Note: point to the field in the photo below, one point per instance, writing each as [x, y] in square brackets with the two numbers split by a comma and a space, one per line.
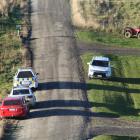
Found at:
[118, 96]
[107, 39]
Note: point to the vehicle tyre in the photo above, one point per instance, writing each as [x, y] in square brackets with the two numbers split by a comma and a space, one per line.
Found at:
[34, 89]
[138, 36]
[127, 34]
[27, 115]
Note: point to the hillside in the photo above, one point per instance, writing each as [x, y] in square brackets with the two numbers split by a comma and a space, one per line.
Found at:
[109, 15]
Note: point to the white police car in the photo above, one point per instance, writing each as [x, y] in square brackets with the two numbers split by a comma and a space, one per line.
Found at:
[99, 66]
[26, 77]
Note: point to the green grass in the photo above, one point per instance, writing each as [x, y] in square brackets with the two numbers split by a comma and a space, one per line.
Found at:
[11, 58]
[107, 39]
[102, 137]
[10, 50]
[119, 96]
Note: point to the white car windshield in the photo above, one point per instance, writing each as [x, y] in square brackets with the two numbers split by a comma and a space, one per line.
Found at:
[21, 91]
[100, 63]
[12, 102]
[25, 74]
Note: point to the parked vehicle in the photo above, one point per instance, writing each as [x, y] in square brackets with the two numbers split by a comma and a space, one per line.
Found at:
[14, 107]
[99, 67]
[26, 77]
[132, 32]
[26, 92]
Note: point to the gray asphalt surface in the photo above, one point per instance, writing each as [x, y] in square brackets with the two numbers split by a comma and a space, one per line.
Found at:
[62, 109]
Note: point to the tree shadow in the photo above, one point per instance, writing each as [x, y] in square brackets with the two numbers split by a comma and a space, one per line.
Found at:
[74, 108]
[112, 88]
[121, 109]
[63, 103]
[125, 80]
[56, 107]
[32, 39]
[89, 86]
[62, 85]
[69, 112]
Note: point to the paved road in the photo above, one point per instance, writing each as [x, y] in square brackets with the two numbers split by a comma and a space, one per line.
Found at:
[62, 110]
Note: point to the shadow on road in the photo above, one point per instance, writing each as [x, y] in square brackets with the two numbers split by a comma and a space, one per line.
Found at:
[66, 108]
[58, 107]
[68, 112]
[62, 85]
[63, 103]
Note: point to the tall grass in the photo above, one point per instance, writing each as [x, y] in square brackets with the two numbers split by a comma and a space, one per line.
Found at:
[109, 15]
[103, 137]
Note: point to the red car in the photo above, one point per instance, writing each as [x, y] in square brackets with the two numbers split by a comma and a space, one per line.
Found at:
[14, 107]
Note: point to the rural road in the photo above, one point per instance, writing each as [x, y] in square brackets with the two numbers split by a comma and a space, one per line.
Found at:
[62, 111]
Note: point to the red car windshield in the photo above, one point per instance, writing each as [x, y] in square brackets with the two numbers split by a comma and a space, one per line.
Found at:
[12, 102]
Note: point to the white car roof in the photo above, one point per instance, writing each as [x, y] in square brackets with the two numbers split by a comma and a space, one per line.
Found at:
[101, 58]
[20, 87]
[25, 69]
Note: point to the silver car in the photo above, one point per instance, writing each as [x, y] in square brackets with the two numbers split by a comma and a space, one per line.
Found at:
[99, 66]
[26, 92]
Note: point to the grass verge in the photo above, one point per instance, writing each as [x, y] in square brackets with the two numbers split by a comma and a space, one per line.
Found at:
[10, 49]
[107, 39]
[118, 96]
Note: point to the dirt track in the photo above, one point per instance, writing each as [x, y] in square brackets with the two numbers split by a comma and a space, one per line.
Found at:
[98, 48]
